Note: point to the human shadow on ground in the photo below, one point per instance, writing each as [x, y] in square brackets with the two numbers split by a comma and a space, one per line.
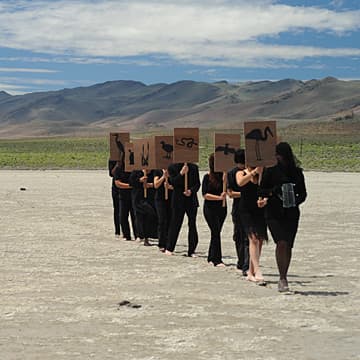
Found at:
[321, 293]
[304, 276]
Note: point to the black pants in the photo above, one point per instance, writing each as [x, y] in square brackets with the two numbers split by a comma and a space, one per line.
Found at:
[163, 209]
[215, 217]
[116, 205]
[126, 209]
[241, 244]
[177, 218]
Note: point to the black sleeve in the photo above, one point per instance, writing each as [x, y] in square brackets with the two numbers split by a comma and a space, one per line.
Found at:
[175, 178]
[300, 189]
[111, 165]
[195, 180]
[134, 179]
[205, 184]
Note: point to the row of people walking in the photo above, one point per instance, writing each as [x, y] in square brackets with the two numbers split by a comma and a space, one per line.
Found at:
[263, 198]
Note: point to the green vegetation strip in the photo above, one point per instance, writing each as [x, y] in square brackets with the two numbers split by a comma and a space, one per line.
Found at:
[316, 152]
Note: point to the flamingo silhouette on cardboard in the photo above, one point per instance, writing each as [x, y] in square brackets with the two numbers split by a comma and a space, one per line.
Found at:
[257, 135]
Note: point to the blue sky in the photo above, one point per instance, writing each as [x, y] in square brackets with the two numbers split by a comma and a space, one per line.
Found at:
[51, 45]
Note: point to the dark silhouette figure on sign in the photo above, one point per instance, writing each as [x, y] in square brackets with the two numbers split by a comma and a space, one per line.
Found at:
[226, 149]
[257, 135]
[119, 144]
[188, 142]
[145, 157]
[168, 148]
[131, 157]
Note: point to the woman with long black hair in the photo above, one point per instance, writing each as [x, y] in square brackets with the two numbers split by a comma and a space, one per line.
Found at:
[214, 211]
[283, 188]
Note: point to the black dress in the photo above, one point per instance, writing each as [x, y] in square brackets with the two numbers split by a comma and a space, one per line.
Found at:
[145, 213]
[215, 214]
[282, 222]
[251, 217]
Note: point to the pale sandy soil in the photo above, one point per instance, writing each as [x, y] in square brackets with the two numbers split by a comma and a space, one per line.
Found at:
[62, 275]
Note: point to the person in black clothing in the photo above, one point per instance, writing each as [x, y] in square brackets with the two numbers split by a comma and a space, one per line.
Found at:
[144, 208]
[239, 237]
[162, 205]
[183, 202]
[122, 183]
[283, 188]
[214, 211]
[114, 168]
[252, 220]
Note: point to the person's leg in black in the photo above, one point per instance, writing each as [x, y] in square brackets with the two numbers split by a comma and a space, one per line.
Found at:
[125, 206]
[283, 253]
[162, 223]
[140, 222]
[116, 206]
[217, 220]
[241, 245]
[193, 238]
[175, 227]
[213, 223]
[133, 219]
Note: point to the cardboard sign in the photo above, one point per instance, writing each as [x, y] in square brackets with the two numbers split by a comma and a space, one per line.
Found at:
[129, 157]
[225, 146]
[260, 143]
[144, 154]
[117, 145]
[163, 151]
[186, 145]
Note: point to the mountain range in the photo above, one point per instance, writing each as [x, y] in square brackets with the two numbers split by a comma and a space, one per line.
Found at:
[131, 105]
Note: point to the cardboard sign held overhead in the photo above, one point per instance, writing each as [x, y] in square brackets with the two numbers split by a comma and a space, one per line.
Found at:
[260, 143]
[186, 145]
[143, 152]
[163, 151]
[225, 146]
[129, 157]
[117, 145]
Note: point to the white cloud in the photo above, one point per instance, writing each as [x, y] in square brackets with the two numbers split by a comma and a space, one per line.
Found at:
[27, 70]
[215, 32]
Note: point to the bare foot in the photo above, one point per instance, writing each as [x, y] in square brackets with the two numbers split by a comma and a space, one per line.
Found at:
[167, 252]
[193, 255]
[146, 242]
[220, 265]
[211, 263]
[251, 278]
[259, 276]
[162, 249]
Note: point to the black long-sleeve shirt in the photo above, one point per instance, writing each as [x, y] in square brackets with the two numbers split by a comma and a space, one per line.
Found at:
[178, 182]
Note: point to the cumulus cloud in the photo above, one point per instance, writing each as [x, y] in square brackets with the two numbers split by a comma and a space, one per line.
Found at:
[213, 32]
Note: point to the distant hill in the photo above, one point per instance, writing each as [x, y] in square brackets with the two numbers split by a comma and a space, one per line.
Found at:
[131, 105]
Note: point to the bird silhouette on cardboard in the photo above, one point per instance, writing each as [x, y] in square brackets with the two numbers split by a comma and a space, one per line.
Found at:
[119, 144]
[257, 135]
[226, 149]
[168, 148]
